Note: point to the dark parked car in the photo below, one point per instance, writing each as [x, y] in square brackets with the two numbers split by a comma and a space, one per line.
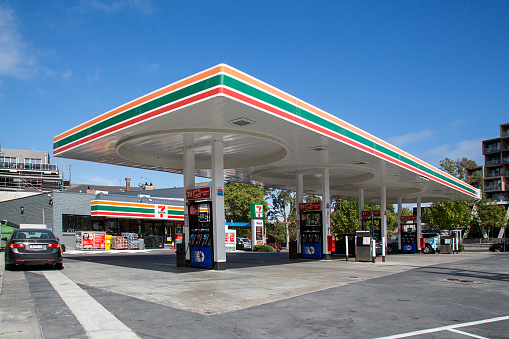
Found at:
[29, 246]
[276, 246]
[500, 247]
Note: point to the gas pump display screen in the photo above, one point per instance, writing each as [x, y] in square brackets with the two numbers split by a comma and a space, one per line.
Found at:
[312, 219]
[203, 216]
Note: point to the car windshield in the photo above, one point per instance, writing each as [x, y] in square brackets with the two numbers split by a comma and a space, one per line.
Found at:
[39, 234]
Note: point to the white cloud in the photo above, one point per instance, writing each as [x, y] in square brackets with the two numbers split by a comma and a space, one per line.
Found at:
[152, 67]
[15, 60]
[99, 180]
[143, 6]
[93, 77]
[400, 141]
[470, 149]
[458, 123]
[67, 74]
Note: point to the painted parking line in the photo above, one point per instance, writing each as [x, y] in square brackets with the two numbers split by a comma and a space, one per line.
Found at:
[97, 321]
[451, 328]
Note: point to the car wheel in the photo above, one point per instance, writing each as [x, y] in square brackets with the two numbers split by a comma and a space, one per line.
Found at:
[58, 266]
[497, 249]
[10, 267]
[427, 249]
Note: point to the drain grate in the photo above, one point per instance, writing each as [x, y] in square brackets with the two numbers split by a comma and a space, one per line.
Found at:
[459, 280]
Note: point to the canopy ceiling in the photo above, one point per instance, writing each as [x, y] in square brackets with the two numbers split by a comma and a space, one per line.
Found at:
[269, 136]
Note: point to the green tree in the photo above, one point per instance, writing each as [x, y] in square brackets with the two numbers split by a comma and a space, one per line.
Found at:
[312, 198]
[277, 230]
[489, 215]
[282, 209]
[448, 215]
[344, 216]
[238, 199]
[459, 167]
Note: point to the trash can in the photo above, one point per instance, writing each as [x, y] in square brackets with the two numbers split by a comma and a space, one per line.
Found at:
[181, 255]
[445, 244]
[363, 246]
[142, 243]
[293, 249]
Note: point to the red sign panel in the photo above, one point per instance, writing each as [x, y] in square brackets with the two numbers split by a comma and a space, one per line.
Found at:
[193, 210]
[93, 240]
[405, 218]
[310, 206]
[198, 193]
[370, 213]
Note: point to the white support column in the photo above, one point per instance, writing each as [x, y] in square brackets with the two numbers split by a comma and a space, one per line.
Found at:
[400, 226]
[326, 213]
[189, 183]
[361, 206]
[418, 236]
[299, 198]
[383, 216]
[217, 195]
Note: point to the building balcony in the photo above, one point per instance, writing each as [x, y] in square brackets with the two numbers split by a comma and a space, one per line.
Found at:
[31, 167]
[493, 162]
[497, 187]
[491, 149]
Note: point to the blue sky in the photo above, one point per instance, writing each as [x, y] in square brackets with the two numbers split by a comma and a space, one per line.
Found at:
[431, 77]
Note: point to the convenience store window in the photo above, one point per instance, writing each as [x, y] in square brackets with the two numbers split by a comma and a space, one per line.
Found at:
[72, 223]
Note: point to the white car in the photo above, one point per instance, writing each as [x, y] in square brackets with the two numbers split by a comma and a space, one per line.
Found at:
[431, 242]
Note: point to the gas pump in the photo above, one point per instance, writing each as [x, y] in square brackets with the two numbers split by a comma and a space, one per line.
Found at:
[372, 221]
[311, 229]
[200, 234]
[408, 233]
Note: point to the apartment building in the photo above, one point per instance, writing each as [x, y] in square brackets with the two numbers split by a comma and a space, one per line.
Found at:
[22, 170]
[496, 166]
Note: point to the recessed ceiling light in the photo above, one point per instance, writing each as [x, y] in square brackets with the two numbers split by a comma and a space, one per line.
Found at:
[319, 148]
[241, 122]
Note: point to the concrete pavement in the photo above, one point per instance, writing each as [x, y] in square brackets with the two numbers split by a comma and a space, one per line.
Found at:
[255, 286]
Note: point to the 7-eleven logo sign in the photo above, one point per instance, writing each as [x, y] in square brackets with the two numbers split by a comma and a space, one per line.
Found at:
[160, 211]
[256, 211]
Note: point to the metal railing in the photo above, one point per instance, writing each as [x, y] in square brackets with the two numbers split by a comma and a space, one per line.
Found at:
[493, 161]
[492, 149]
[35, 167]
[493, 187]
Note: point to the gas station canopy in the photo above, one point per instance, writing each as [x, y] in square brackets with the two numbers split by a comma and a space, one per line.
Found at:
[269, 137]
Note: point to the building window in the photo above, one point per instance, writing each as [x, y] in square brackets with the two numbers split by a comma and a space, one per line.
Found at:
[33, 163]
[72, 223]
[8, 162]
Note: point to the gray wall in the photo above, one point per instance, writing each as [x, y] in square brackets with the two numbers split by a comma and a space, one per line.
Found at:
[69, 203]
[33, 206]
[37, 210]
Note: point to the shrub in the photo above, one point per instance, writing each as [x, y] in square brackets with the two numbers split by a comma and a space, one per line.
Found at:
[263, 248]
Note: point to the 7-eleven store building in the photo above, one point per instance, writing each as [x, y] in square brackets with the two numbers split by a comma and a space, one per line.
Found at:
[146, 216]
